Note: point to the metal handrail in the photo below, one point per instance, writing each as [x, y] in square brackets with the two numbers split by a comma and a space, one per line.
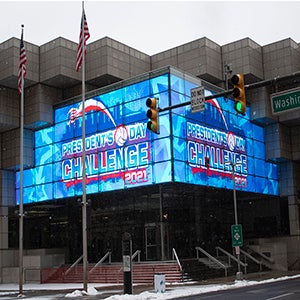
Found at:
[138, 254]
[73, 265]
[268, 259]
[211, 258]
[174, 255]
[246, 254]
[108, 254]
[291, 266]
[230, 256]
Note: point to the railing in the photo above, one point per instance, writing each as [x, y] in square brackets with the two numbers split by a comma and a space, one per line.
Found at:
[73, 265]
[107, 255]
[264, 257]
[246, 254]
[293, 264]
[138, 254]
[211, 258]
[174, 255]
[231, 257]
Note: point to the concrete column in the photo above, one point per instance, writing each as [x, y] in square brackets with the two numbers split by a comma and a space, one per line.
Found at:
[294, 215]
[7, 199]
[3, 227]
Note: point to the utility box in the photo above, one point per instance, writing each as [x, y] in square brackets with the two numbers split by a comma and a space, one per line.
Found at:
[159, 283]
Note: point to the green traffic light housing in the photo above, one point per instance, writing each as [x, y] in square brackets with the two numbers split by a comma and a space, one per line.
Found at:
[239, 107]
[152, 114]
[239, 93]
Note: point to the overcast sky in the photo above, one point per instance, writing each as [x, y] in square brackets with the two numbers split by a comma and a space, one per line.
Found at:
[152, 26]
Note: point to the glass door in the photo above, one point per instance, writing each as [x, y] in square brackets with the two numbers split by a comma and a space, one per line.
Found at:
[153, 241]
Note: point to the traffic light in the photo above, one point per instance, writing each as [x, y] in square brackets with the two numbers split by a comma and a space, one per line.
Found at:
[239, 93]
[152, 114]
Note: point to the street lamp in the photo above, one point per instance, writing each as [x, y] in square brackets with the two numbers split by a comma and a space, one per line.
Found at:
[239, 274]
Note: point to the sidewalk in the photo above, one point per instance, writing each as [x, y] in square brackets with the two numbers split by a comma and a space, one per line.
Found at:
[230, 280]
[103, 291]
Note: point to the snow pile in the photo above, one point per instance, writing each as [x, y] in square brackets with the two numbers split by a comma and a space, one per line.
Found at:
[90, 292]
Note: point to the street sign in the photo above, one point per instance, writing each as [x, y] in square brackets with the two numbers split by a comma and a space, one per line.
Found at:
[197, 99]
[285, 101]
[237, 235]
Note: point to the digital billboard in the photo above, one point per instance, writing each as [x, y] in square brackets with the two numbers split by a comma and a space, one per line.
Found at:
[209, 146]
[197, 148]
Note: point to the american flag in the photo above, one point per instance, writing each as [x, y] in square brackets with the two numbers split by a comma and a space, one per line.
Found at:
[22, 65]
[83, 37]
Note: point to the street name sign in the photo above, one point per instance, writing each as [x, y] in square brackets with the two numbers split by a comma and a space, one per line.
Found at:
[197, 99]
[237, 235]
[285, 101]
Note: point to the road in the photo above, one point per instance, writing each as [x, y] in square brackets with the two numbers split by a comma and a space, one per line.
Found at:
[280, 290]
[288, 289]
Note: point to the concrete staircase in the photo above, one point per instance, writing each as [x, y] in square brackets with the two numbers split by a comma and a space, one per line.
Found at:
[196, 270]
[142, 273]
[204, 268]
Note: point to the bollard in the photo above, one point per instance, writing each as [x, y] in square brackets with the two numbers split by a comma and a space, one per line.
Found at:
[127, 262]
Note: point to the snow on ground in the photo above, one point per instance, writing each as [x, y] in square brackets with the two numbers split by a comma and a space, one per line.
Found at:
[171, 292]
[188, 290]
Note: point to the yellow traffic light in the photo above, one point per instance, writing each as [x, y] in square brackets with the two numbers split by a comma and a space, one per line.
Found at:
[239, 93]
[152, 114]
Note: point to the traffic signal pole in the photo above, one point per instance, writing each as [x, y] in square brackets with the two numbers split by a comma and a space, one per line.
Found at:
[229, 92]
[221, 94]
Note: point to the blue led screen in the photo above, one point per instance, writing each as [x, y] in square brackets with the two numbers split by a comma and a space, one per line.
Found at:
[121, 153]
[208, 144]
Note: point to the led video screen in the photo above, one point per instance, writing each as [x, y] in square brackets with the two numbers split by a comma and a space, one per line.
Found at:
[197, 148]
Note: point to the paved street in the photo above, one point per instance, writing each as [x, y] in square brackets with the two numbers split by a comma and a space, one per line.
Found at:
[285, 290]
[218, 288]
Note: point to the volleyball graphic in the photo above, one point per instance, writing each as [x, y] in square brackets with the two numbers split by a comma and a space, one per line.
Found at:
[231, 141]
[121, 135]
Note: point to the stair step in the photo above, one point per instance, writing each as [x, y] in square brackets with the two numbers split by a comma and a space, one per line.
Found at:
[141, 273]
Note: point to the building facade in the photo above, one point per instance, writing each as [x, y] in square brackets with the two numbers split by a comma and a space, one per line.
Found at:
[173, 194]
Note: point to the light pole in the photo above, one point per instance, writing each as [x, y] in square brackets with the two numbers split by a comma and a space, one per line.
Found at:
[239, 274]
[162, 241]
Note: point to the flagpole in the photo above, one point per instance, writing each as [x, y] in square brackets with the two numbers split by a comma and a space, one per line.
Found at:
[84, 204]
[21, 279]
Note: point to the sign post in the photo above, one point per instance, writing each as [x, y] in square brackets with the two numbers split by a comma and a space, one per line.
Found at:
[237, 237]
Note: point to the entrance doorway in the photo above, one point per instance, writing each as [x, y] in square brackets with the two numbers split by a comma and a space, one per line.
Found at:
[153, 241]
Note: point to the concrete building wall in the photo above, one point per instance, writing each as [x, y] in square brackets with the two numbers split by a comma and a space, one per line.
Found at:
[4, 227]
[245, 56]
[9, 63]
[11, 149]
[281, 58]
[200, 58]
[7, 198]
[278, 142]
[111, 61]
[9, 109]
[58, 62]
[39, 102]
[260, 106]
